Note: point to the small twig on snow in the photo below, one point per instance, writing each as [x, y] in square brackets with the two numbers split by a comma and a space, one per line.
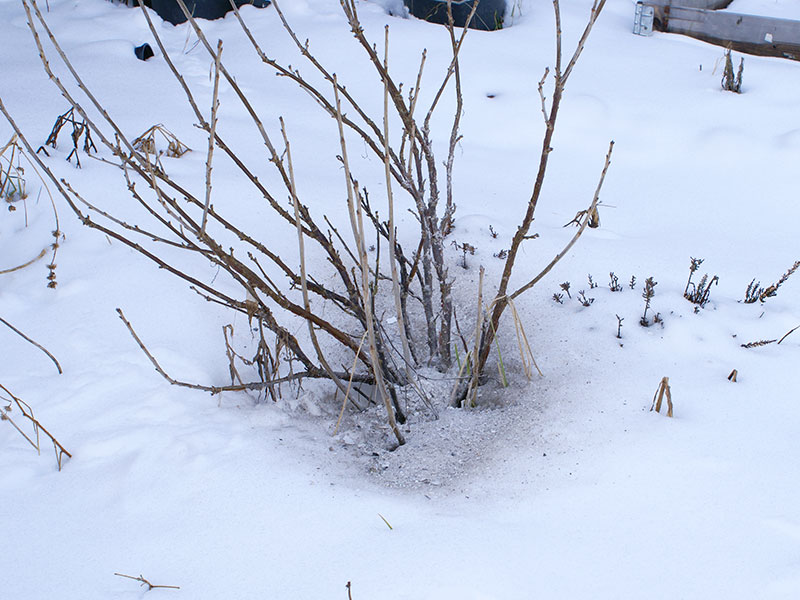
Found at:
[29, 340]
[149, 585]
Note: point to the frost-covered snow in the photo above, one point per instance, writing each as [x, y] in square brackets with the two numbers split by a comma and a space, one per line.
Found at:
[562, 487]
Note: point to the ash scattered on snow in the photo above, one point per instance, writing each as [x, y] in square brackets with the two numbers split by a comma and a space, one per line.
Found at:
[445, 447]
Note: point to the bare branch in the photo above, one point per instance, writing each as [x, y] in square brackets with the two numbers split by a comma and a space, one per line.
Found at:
[354, 208]
[542, 97]
[211, 135]
[303, 278]
[788, 333]
[27, 412]
[597, 8]
[585, 222]
[30, 341]
[256, 385]
[398, 303]
[150, 586]
[25, 264]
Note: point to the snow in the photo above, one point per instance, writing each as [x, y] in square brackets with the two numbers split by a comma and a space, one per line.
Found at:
[566, 486]
[767, 8]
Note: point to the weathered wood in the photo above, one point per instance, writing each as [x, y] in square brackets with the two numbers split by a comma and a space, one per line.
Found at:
[704, 4]
[752, 34]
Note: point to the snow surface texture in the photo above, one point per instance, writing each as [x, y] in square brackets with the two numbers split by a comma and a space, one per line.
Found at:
[564, 487]
[767, 8]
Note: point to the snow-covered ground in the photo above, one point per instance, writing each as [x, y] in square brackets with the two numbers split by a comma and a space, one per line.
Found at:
[768, 8]
[562, 487]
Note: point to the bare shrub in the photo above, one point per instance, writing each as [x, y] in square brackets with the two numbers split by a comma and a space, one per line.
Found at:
[185, 230]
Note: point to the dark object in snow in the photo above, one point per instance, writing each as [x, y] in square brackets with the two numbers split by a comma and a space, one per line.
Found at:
[488, 15]
[143, 52]
[170, 10]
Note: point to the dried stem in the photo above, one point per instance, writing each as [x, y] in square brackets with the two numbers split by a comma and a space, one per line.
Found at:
[788, 333]
[560, 79]
[662, 392]
[26, 264]
[27, 412]
[398, 300]
[357, 224]
[30, 341]
[475, 381]
[303, 277]
[150, 586]
[256, 385]
[584, 222]
[211, 136]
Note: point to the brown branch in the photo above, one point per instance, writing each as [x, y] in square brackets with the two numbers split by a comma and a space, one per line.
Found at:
[450, 207]
[501, 298]
[357, 224]
[150, 586]
[542, 96]
[30, 341]
[256, 385]
[597, 8]
[27, 412]
[788, 333]
[587, 217]
[303, 278]
[27, 264]
[392, 231]
[212, 135]
[374, 143]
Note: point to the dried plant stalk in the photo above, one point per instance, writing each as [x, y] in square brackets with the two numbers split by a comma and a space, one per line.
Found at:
[357, 225]
[145, 582]
[10, 190]
[788, 333]
[211, 135]
[475, 380]
[34, 343]
[758, 344]
[147, 142]
[27, 412]
[662, 392]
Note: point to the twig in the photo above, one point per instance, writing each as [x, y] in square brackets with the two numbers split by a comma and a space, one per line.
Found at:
[356, 222]
[788, 332]
[150, 586]
[478, 327]
[256, 385]
[27, 264]
[585, 222]
[303, 278]
[560, 79]
[398, 301]
[27, 412]
[349, 385]
[211, 135]
[29, 340]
